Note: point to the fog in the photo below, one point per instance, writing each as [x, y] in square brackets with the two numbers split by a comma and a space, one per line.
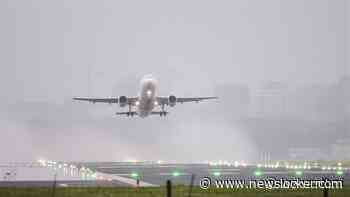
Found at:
[280, 69]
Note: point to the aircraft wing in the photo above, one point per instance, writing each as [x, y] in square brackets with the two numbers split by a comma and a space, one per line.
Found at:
[131, 100]
[165, 100]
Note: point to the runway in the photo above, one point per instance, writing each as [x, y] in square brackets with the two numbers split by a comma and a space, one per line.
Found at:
[122, 174]
[157, 174]
[77, 183]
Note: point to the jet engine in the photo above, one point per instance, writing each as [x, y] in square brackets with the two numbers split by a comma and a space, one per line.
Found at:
[123, 101]
[172, 100]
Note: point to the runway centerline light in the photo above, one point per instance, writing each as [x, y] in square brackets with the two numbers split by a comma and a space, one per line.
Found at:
[299, 173]
[217, 173]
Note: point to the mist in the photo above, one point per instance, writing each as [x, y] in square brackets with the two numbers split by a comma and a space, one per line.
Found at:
[279, 68]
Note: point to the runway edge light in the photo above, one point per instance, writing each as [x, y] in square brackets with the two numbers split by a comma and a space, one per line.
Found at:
[134, 174]
[257, 173]
[176, 173]
[298, 173]
[339, 173]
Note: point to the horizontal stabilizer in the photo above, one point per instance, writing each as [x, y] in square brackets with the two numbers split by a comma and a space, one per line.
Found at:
[161, 113]
[131, 113]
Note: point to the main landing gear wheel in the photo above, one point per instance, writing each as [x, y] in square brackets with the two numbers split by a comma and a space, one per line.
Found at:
[130, 113]
[163, 113]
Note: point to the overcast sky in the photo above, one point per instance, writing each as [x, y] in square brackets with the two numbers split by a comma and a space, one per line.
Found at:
[48, 49]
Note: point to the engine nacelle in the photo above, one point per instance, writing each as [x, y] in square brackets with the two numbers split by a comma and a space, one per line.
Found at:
[172, 100]
[123, 101]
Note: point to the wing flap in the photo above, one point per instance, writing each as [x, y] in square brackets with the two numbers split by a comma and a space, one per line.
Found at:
[159, 113]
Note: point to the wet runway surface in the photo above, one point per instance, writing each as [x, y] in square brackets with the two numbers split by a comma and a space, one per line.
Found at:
[182, 173]
[126, 174]
[86, 183]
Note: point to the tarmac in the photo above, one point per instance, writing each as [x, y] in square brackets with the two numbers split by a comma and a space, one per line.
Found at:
[120, 174]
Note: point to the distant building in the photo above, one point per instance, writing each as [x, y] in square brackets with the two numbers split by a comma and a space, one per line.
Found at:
[305, 153]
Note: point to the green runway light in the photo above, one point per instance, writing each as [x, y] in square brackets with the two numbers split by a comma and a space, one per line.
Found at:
[94, 175]
[339, 173]
[217, 173]
[134, 175]
[298, 173]
[258, 173]
[176, 173]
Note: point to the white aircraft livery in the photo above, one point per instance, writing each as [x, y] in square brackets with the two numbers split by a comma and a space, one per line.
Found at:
[147, 100]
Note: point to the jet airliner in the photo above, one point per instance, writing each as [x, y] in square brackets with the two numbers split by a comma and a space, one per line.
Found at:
[147, 100]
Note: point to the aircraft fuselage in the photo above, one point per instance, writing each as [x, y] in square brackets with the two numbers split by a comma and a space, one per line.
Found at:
[147, 96]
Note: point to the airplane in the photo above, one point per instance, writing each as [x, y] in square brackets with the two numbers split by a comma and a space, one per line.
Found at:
[146, 101]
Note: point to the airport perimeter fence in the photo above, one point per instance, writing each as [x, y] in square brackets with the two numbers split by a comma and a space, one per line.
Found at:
[169, 190]
[193, 191]
[164, 191]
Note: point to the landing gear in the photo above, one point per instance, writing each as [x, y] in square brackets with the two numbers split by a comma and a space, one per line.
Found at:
[163, 112]
[130, 113]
